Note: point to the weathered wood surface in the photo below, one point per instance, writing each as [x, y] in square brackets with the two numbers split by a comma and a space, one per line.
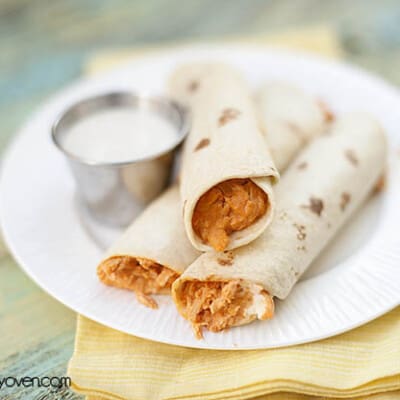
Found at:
[43, 45]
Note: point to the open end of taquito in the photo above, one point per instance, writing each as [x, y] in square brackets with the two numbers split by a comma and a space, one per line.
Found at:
[227, 169]
[230, 214]
[141, 275]
[217, 304]
[228, 207]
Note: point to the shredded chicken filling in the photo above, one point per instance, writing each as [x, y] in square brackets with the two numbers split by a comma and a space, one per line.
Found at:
[228, 207]
[142, 276]
[218, 305]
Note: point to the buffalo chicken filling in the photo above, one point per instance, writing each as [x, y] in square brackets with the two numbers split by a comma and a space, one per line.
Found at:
[142, 276]
[228, 207]
[218, 305]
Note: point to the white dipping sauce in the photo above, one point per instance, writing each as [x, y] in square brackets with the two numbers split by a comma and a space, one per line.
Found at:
[120, 134]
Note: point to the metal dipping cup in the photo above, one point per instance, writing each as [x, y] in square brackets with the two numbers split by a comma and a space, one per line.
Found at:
[115, 192]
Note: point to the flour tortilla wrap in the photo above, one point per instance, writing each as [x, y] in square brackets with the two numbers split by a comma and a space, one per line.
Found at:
[288, 116]
[316, 195]
[152, 252]
[158, 237]
[186, 80]
[226, 163]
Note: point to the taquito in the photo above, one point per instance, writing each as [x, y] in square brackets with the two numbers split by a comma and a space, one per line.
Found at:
[288, 116]
[316, 195]
[155, 250]
[152, 252]
[227, 172]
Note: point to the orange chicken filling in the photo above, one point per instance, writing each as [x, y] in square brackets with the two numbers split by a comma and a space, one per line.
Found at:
[228, 207]
[142, 276]
[218, 305]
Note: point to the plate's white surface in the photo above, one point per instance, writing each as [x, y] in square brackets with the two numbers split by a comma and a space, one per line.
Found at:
[355, 280]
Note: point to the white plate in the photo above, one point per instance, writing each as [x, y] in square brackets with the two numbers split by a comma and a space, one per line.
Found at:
[352, 282]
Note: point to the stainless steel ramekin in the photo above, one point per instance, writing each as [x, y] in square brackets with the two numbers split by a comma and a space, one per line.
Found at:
[115, 192]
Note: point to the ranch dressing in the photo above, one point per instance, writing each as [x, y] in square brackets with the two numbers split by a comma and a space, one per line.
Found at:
[118, 135]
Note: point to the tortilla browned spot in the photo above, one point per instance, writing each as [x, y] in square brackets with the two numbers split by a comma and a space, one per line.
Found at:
[380, 184]
[329, 116]
[203, 143]
[344, 200]
[193, 86]
[316, 206]
[302, 165]
[301, 231]
[294, 271]
[224, 262]
[228, 115]
[351, 156]
[301, 248]
[227, 258]
[283, 215]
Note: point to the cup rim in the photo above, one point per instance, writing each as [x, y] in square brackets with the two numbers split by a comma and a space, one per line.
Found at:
[100, 101]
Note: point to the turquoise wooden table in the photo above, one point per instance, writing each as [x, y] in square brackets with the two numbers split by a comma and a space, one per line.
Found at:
[43, 45]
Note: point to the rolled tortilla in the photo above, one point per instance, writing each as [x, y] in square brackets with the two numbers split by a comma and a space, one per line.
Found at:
[316, 195]
[152, 252]
[155, 246]
[288, 117]
[227, 169]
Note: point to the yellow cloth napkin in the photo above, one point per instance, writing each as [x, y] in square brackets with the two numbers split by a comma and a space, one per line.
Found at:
[361, 364]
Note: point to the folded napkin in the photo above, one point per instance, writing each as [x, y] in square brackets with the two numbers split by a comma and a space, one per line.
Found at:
[119, 366]
[360, 364]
